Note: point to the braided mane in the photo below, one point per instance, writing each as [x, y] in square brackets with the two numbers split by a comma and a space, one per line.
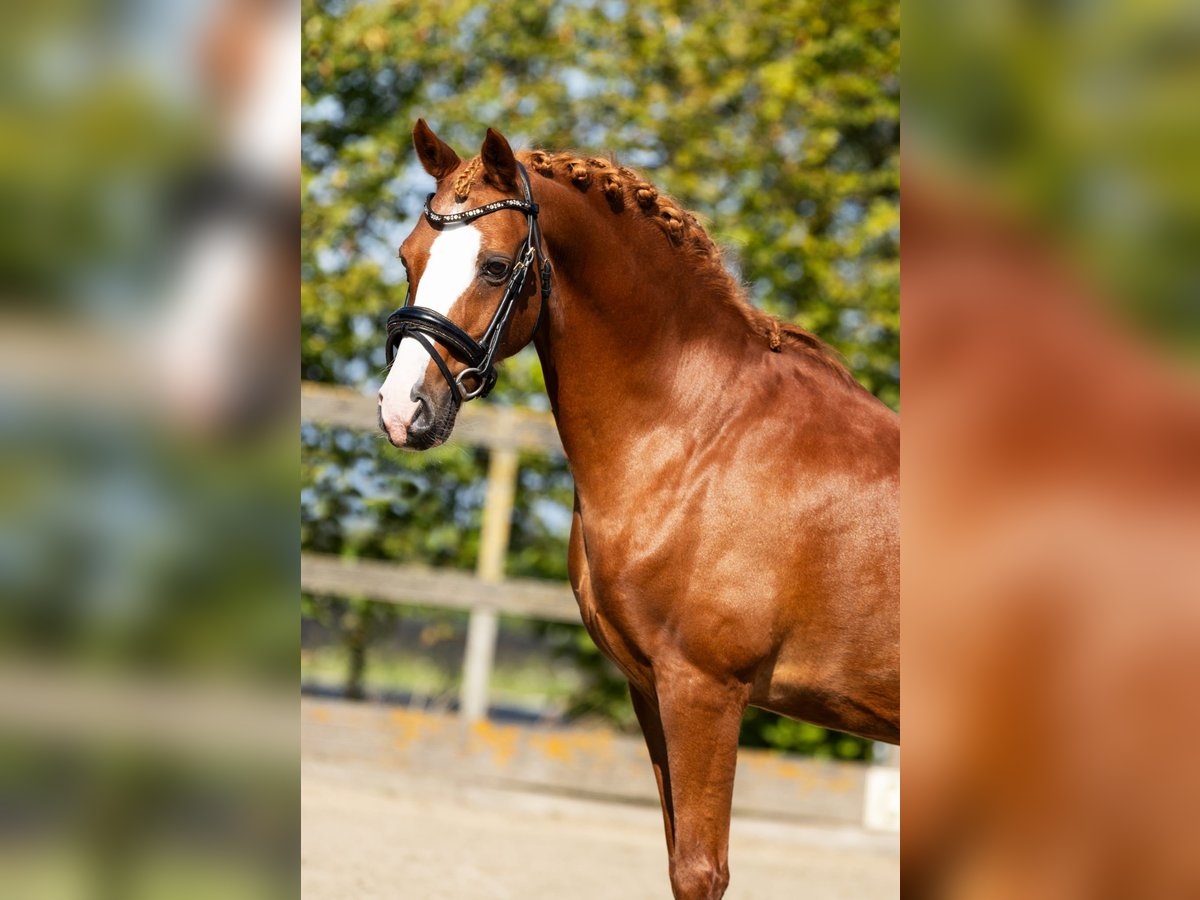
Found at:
[626, 190]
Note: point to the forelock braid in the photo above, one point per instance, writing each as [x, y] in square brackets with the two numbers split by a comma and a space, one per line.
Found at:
[466, 178]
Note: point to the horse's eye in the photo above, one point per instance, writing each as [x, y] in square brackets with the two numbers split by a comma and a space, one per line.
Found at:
[495, 268]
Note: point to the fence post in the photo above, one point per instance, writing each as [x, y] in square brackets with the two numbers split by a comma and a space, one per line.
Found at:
[885, 754]
[881, 790]
[493, 546]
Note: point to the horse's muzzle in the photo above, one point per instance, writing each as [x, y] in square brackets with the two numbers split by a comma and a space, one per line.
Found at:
[430, 426]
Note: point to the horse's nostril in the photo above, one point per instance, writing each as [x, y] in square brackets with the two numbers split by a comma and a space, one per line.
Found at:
[424, 415]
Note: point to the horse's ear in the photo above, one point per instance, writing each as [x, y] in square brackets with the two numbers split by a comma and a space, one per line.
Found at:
[438, 157]
[499, 164]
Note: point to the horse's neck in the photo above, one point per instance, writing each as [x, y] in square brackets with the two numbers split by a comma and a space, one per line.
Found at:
[634, 338]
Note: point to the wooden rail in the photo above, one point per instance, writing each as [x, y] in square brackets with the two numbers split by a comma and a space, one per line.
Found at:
[547, 601]
[505, 432]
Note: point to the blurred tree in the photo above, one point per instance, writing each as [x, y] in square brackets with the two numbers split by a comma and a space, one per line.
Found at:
[1083, 118]
[776, 122]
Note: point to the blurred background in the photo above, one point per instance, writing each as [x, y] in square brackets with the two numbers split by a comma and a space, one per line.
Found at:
[149, 182]
[147, 556]
[1051, 498]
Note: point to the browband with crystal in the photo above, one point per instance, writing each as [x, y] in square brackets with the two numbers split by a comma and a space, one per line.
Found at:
[529, 208]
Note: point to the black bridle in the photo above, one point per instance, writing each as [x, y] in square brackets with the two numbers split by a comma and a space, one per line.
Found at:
[427, 325]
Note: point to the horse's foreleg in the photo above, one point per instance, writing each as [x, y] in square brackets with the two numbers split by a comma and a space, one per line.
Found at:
[700, 717]
[648, 717]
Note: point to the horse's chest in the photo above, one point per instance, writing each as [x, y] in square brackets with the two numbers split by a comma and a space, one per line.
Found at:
[616, 612]
[617, 562]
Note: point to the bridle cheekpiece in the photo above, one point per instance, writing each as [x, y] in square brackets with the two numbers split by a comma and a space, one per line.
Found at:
[428, 325]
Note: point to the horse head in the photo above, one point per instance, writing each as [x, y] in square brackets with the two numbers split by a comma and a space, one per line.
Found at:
[474, 263]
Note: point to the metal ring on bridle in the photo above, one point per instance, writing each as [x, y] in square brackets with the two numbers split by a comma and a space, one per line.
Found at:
[470, 393]
[428, 325]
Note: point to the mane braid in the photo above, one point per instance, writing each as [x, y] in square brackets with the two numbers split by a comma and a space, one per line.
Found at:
[626, 190]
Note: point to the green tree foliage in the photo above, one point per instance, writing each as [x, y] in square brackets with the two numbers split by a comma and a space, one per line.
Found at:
[776, 122]
[1083, 119]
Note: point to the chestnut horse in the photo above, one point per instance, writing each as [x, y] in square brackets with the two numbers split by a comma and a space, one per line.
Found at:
[735, 537]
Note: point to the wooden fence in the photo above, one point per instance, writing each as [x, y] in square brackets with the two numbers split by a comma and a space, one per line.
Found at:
[505, 432]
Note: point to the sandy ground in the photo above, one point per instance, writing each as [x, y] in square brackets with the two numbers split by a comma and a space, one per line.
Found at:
[375, 832]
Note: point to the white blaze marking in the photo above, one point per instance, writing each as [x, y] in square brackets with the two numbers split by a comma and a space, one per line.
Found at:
[453, 260]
